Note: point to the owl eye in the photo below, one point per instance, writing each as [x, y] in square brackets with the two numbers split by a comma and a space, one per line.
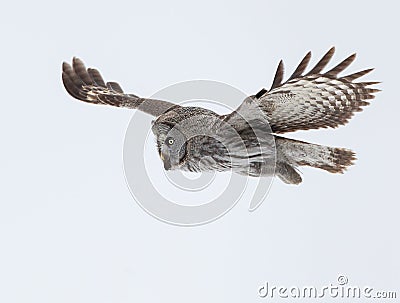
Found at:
[170, 141]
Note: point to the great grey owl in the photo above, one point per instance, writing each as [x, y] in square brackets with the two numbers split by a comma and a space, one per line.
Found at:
[245, 140]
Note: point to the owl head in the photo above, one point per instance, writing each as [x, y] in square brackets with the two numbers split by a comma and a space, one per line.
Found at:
[171, 144]
[180, 135]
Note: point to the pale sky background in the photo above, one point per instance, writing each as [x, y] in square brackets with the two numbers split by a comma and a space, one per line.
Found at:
[69, 228]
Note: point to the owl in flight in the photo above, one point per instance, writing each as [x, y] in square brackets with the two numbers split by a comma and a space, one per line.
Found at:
[245, 141]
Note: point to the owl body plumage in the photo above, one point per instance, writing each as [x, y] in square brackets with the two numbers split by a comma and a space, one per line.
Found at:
[246, 141]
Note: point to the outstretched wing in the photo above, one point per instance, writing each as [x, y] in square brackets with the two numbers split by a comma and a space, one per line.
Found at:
[88, 85]
[315, 99]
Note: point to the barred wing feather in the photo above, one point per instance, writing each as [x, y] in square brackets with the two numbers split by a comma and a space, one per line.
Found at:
[315, 99]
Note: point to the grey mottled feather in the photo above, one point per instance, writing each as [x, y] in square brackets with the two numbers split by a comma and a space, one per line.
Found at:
[293, 153]
[314, 100]
[88, 85]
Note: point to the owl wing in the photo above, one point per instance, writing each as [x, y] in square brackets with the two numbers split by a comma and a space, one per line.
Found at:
[312, 100]
[88, 85]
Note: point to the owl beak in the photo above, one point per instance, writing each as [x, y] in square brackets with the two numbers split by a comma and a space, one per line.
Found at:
[167, 164]
[166, 160]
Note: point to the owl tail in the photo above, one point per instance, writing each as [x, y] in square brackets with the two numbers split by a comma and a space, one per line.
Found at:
[293, 153]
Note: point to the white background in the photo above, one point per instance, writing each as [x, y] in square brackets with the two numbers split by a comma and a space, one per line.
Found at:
[69, 228]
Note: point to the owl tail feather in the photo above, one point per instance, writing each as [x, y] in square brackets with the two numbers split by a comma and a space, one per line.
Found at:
[293, 153]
